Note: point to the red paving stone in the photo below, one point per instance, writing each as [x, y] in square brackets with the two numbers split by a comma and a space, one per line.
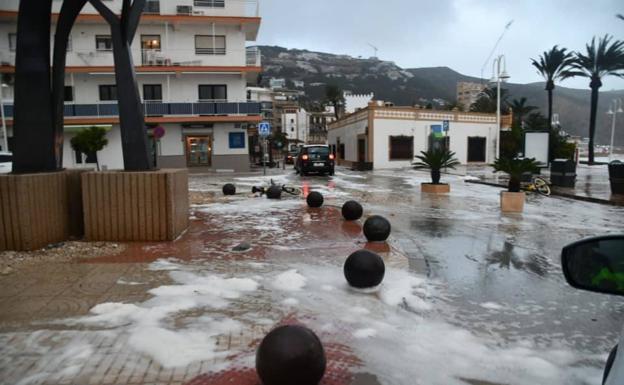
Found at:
[341, 363]
[206, 240]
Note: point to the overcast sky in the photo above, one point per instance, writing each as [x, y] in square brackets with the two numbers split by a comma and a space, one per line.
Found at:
[456, 33]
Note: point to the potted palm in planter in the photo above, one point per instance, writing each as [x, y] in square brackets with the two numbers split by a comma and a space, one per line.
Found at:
[512, 200]
[435, 160]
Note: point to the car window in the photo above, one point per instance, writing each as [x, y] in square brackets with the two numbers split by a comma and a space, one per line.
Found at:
[6, 158]
[318, 150]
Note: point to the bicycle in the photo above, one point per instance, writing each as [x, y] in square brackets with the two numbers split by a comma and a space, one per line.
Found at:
[538, 185]
[287, 189]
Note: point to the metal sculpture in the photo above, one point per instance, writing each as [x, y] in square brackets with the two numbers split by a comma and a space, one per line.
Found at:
[33, 139]
[67, 17]
[131, 117]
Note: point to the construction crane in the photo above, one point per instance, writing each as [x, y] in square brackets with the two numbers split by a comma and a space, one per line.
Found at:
[375, 48]
[496, 46]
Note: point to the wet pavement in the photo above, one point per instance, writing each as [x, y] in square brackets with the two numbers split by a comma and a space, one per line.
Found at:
[471, 296]
[592, 182]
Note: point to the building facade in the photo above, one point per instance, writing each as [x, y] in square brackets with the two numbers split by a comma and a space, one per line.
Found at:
[389, 137]
[468, 93]
[192, 69]
[295, 126]
[354, 102]
[319, 122]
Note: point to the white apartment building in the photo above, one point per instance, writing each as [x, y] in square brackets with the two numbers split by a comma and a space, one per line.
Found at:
[192, 67]
[295, 126]
[387, 137]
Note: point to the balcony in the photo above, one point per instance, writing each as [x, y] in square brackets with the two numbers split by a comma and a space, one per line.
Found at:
[254, 57]
[107, 110]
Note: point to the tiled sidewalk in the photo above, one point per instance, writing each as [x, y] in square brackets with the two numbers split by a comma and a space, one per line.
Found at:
[39, 346]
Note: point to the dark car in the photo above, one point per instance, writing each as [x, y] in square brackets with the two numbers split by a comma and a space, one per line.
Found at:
[291, 156]
[315, 159]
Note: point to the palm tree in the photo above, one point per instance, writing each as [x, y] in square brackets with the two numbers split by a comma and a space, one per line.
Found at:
[619, 16]
[335, 97]
[600, 60]
[554, 65]
[436, 160]
[520, 109]
[515, 168]
[486, 102]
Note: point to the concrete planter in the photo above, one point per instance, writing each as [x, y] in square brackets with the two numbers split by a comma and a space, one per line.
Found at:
[430, 188]
[39, 209]
[135, 206]
[512, 202]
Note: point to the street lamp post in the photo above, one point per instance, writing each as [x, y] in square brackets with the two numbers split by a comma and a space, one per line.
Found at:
[5, 137]
[499, 75]
[614, 109]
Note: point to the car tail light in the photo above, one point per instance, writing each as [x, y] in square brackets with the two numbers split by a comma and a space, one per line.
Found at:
[331, 156]
[304, 157]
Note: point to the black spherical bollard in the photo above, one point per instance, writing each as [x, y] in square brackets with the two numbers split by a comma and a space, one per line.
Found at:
[352, 211]
[291, 355]
[229, 189]
[377, 229]
[364, 269]
[274, 192]
[315, 199]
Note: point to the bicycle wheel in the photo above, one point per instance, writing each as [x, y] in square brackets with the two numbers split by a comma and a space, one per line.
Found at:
[291, 190]
[541, 186]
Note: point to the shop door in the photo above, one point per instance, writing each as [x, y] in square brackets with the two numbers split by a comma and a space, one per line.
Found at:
[198, 151]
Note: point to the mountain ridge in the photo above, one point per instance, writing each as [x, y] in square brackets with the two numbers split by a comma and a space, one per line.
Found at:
[422, 85]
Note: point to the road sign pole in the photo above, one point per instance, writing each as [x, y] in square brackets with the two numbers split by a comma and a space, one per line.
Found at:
[264, 157]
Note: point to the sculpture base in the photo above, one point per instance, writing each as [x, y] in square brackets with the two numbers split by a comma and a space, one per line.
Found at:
[39, 209]
[512, 202]
[430, 188]
[135, 206]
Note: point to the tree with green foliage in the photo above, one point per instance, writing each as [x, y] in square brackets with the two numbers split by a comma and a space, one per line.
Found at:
[486, 103]
[520, 110]
[335, 97]
[90, 141]
[435, 160]
[515, 168]
[554, 65]
[602, 58]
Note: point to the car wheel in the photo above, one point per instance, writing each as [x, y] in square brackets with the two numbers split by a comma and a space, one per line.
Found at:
[331, 173]
[609, 364]
[304, 173]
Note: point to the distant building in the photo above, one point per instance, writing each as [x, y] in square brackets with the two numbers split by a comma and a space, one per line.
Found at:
[283, 99]
[468, 93]
[354, 102]
[299, 83]
[277, 83]
[382, 136]
[318, 124]
[295, 126]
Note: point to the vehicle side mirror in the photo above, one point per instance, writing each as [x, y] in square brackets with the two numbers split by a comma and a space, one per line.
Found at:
[595, 264]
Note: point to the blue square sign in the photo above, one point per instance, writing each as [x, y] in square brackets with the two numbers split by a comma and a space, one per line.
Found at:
[264, 129]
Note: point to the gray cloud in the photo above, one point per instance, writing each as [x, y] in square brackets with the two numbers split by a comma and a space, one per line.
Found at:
[454, 33]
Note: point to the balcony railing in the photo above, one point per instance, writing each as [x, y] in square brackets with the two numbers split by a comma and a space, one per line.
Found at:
[158, 109]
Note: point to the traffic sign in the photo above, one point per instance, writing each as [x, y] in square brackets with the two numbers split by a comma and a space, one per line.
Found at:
[264, 129]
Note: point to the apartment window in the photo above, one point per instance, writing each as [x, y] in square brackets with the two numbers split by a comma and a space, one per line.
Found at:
[213, 92]
[12, 41]
[210, 44]
[103, 43]
[150, 42]
[69, 94]
[108, 92]
[152, 92]
[209, 3]
[401, 148]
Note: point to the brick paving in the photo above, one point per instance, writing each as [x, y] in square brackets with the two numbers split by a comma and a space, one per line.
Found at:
[36, 301]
